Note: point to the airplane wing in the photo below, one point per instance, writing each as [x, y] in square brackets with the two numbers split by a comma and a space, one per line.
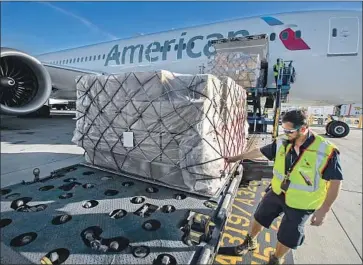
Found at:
[63, 79]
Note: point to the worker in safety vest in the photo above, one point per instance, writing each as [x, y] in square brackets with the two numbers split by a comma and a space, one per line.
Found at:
[276, 68]
[306, 181]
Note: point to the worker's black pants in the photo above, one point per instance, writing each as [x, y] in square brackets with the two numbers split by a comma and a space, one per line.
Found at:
[276, 79]
[291, 230]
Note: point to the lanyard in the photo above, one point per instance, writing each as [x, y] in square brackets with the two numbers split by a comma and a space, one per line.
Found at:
[288, 158]
[292, 164]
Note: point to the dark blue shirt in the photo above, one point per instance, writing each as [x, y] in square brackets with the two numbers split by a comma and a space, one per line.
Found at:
[332, 170]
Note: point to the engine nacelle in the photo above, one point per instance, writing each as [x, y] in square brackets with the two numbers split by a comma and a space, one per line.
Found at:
[25, 84]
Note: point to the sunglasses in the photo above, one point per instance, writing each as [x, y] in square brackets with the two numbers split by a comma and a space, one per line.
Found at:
[286, 131]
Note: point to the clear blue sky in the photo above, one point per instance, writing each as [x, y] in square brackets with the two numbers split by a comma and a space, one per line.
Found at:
[38, 27]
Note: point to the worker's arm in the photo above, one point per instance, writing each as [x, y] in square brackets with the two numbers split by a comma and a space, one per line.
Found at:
[254, 153]
[269, 151]
[332, 195]
[318, 217]
[333, 174]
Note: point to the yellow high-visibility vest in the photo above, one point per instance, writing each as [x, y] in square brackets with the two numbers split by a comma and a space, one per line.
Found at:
[311, 165]
[278, 66]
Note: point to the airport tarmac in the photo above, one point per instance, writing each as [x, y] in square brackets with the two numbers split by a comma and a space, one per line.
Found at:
[27, 143]
[46, 144]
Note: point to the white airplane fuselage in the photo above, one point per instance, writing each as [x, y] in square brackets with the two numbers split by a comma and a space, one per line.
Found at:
[325, 47]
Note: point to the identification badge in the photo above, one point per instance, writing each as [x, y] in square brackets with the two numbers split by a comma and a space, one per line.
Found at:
[285, 185]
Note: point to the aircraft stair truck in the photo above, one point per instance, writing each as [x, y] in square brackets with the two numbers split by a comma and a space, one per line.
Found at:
[85, 213]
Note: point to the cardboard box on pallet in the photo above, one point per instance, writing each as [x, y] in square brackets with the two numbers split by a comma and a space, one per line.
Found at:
[245, 69]
[181, 125]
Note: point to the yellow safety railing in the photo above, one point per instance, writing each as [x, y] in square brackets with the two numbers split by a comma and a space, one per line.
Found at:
[317, 120]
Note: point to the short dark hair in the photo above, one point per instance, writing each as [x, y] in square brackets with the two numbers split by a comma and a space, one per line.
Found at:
[297, 117]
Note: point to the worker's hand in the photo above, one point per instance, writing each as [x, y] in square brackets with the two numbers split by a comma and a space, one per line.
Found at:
[232, 159]
[318, 217]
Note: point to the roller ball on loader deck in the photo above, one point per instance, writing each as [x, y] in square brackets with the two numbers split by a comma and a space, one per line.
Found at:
[337, 129]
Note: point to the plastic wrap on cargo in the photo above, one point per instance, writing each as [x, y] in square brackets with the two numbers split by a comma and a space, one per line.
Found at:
[180, 126]
[245, 69]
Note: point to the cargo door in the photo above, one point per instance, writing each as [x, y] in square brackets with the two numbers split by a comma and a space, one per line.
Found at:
[343, 36]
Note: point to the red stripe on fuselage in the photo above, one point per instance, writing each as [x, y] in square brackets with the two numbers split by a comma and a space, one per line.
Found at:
[292, 43]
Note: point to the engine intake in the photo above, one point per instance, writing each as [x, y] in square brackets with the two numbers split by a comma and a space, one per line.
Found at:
[25, 84]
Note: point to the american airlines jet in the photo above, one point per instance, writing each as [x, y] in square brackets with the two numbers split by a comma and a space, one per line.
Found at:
[325, 46]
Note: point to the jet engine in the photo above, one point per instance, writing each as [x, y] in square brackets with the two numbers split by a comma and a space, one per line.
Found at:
[25, 84]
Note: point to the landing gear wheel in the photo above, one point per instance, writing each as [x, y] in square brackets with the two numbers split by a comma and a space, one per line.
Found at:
[327, 127]
[339, 129]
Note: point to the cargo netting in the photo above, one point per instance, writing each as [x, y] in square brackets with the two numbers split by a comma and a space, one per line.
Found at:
[246, 69]
[168, 127]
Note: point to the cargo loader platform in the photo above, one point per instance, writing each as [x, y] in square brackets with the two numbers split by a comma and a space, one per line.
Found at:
[84, 215]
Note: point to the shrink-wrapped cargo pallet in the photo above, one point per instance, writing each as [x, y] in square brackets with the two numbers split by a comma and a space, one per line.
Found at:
[245, 69]
[163, 126]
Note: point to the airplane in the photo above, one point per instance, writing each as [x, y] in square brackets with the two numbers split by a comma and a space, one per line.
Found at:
[325, 47]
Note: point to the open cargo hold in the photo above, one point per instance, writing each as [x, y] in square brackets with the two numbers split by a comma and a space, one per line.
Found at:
[243, 59]
[244, 69]
[162, 126]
